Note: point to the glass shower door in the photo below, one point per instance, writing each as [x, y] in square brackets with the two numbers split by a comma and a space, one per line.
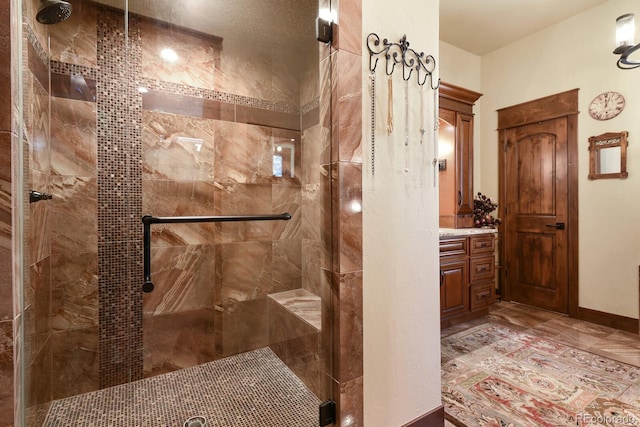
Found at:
[179, 109]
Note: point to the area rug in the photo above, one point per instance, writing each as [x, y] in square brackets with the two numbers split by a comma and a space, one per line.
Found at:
[493, 375]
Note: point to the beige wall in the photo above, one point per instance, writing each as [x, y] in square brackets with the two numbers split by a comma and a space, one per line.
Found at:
[575, 53]
[462, 68]
[400, 221]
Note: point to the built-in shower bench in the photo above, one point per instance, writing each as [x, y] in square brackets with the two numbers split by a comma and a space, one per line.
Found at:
[295, 324]
[302, 304]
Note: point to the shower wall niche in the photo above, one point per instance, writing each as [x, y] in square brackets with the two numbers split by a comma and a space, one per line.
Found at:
[115, 131]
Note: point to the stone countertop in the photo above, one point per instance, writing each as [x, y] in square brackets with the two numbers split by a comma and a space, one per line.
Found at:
[450, 232]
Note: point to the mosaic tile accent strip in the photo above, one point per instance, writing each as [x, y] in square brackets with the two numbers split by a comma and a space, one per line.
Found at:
[216, 95]
[40, 74]
[253, 389]
[33, 40]
[310, 106]
[73, 69]
[119, 127]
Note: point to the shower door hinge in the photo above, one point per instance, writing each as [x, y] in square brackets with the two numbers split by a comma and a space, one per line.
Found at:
[324, 30]
[327, 413]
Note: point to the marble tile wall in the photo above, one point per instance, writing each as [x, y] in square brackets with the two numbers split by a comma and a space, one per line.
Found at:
[74, 40]
[215, 159]
[346, 170]
[6, 226]
[36, 310]
[222, 156]
[61, 303]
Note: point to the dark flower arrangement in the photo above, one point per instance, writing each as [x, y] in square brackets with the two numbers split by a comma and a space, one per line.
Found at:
[482, 208]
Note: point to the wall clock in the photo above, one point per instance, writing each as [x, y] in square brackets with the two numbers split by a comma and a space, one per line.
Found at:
[606, 106]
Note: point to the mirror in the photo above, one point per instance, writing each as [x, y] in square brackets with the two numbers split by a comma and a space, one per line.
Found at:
[608, 155]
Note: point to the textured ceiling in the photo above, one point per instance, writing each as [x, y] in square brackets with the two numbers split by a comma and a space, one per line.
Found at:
[482, 26]
[287, 26]
[274, 20]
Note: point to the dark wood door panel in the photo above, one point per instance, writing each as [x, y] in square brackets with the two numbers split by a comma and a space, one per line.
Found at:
[454, 292]
[536, 193]
[536, 260]
[535, 159]
[464, 175]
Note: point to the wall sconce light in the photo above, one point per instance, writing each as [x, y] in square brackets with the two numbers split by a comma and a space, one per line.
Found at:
[625, 31]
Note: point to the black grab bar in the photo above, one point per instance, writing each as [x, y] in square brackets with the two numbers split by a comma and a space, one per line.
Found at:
[147, 220]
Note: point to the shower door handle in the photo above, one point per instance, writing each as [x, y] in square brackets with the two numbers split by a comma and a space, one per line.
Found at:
[147, 220]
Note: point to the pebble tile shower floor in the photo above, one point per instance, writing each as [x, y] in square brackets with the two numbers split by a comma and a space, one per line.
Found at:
[253, 389]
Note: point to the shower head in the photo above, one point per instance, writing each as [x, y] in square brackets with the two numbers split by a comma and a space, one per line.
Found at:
[53, 11]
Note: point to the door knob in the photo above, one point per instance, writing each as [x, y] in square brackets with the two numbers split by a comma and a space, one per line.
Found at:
[557, 225]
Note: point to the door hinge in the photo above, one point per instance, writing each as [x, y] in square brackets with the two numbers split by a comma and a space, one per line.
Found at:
[327, 413]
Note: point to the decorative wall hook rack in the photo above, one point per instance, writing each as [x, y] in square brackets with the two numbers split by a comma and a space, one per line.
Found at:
[401, 54]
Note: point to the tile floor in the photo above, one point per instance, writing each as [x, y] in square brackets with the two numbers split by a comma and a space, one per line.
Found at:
[253, 389]
[597, 339]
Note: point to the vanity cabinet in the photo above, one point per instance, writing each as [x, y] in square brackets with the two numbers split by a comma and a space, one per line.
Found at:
[455, 154]
[467, 276]
[454, 295]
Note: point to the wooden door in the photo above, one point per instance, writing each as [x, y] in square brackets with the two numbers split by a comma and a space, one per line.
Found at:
[536, 206]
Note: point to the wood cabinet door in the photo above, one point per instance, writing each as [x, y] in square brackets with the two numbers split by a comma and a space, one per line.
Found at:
[536, 220]
[454, 292]
[464, 164]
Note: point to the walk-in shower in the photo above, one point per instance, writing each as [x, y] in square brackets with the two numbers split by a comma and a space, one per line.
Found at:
[178, 258]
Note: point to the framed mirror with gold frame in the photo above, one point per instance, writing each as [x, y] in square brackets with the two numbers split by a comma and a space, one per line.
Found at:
[608, 155]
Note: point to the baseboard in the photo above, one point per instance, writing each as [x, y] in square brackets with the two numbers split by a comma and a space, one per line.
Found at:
[434, 418]
[623, 323]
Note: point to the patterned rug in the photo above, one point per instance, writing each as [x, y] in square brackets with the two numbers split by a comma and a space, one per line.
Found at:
[496, 376]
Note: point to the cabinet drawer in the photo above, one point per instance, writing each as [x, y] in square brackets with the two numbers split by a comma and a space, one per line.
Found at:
[482, 244]
[481, 296]
[481, 269]
[451, 247]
